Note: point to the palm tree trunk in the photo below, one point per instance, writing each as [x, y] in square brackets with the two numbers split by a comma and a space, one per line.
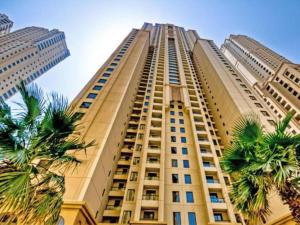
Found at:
[290, 196]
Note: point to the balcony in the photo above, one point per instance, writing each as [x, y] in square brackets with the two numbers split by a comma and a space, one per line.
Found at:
[117, 192]
[150, 197]
[216, 200]
[121, 175]
[206, 152]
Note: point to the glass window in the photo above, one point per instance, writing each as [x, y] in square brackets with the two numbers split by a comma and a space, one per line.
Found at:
[172, 113]
[184, 151]
[181, 121]
[182, 130]
[106, 75]
[187, 179]
[189, 197]
[133, 176]
[173, 150]
[110, 69]
[180, 113]
[130, 195]
[173, 129]
[175, 178]
[174, 163]
[172, 120]
[97, 88]
[85, 105]
[102, 81]
[183, 139]
[176, 218]
[173, 138]
[175, 196]
[218, 216]
[186, 164]
[192, 218]
[126, 217]
[92, 95]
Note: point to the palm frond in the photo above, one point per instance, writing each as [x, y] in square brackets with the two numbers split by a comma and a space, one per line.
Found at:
[34, 103]
[283, 124]
[247, 130]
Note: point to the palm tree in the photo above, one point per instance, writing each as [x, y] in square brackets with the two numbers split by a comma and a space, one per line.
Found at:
[37, 146]
[260, 162]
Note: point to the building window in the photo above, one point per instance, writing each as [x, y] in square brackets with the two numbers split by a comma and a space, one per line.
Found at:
[102, 81]
[180, 113]
[173, 138]
[181, 121]
[189, 197]
[133, 176]
[92, 95]
[106, 75]
[172, 113]
[126, 217]
[110, 69]
[182, 130]
[174, 163]
[258, 105]
[192, 218]
[173, 129]
[149, 215]
[85, 105]
[265, 113]
[136, 160]
[175, 196]
[186, 164]
[176, 218]
[187, 179]
[184, 151]
[218, 216]
[130, 195]
[97, 88]
[175, 179]
[183, 139]
[172, 120]
[173, 150]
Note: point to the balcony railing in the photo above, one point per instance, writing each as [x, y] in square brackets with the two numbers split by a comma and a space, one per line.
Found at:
[121, 172]
[148, 218]
[152, 161]
[212, 181]
[209, 165]
[113, 207]
[118, 188]
[151, 178]
[217, 200]
[156, 147]
[150, 197]
[203, 139]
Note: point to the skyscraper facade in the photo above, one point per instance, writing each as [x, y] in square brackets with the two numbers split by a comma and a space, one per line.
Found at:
[275, 78]
[161, 110]
[26, 54]
[5, 24]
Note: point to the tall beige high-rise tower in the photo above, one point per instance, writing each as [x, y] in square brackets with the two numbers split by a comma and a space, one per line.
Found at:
[5, 24]
[26, 54]
[276, 79]
[161, 109]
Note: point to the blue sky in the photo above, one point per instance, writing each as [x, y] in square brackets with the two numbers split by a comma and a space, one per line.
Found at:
[94, 28]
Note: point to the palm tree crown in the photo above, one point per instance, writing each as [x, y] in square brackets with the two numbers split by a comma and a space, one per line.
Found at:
[259, 162]
[35, 144]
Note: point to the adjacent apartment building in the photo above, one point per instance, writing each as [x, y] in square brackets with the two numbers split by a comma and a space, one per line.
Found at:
[28, 53]
[275, 78]
[5, 24]
[161, 110]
